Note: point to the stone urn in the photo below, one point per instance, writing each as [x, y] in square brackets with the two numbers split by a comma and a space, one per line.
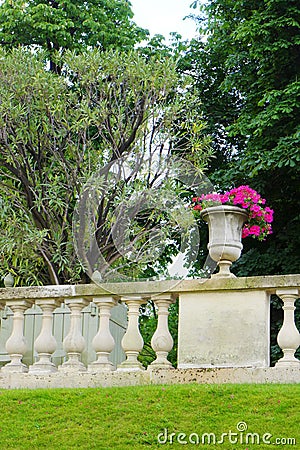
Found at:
[225, 225]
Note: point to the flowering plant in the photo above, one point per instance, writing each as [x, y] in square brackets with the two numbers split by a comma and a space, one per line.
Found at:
[260, 216]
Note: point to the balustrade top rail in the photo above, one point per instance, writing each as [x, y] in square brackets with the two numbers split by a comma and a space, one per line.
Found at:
[152, 288]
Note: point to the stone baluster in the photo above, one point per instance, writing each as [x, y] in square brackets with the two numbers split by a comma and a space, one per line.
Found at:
[74, 342]
[45, 344]
[103, 343]
[162, 341]
[288, 337]
[132, 342]
[16, 344]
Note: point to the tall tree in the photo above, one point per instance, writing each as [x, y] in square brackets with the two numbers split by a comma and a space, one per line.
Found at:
[56, 131]
[57, 25]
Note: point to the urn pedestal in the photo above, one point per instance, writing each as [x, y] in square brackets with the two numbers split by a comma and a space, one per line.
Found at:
[225, 225]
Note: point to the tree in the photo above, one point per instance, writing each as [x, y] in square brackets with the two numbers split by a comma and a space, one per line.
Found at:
[247, 75]
[56, 25]
[56, 131]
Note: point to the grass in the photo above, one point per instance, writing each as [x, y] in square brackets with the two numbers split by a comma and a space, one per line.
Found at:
[133, 417]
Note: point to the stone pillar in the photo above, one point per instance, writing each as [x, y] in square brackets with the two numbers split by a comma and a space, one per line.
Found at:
[132, 342]
[74, 342]
[162, 341]
[288, 337]
[103, 343]
[45, 344]
[16, 345]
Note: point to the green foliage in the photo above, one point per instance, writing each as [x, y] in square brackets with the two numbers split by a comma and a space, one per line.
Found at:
[57, 26]
[19, 242]
[258, 49]
[147, 324]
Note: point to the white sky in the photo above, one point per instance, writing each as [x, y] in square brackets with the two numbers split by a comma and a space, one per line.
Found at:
[164, 16]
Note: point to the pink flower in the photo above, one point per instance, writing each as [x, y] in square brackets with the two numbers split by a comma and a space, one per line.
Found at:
[254, 229]
[245, 232]
[224, 198]
[255, 208]
[269, 210]
[268, 215]
[259, 217]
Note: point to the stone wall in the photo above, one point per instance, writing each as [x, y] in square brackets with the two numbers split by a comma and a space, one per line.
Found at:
[223, 334]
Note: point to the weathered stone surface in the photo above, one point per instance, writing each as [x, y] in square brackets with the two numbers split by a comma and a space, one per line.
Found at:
[138, 378]
[223, 329]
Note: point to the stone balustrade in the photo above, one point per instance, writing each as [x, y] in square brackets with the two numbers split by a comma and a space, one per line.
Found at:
[223, 323]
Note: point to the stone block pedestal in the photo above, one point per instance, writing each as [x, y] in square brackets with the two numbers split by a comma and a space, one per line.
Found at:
[223, 328]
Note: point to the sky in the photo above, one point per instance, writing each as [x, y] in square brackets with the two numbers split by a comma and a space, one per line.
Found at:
[164, 16]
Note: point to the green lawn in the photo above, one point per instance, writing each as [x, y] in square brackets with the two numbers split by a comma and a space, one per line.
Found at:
[143, 417]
